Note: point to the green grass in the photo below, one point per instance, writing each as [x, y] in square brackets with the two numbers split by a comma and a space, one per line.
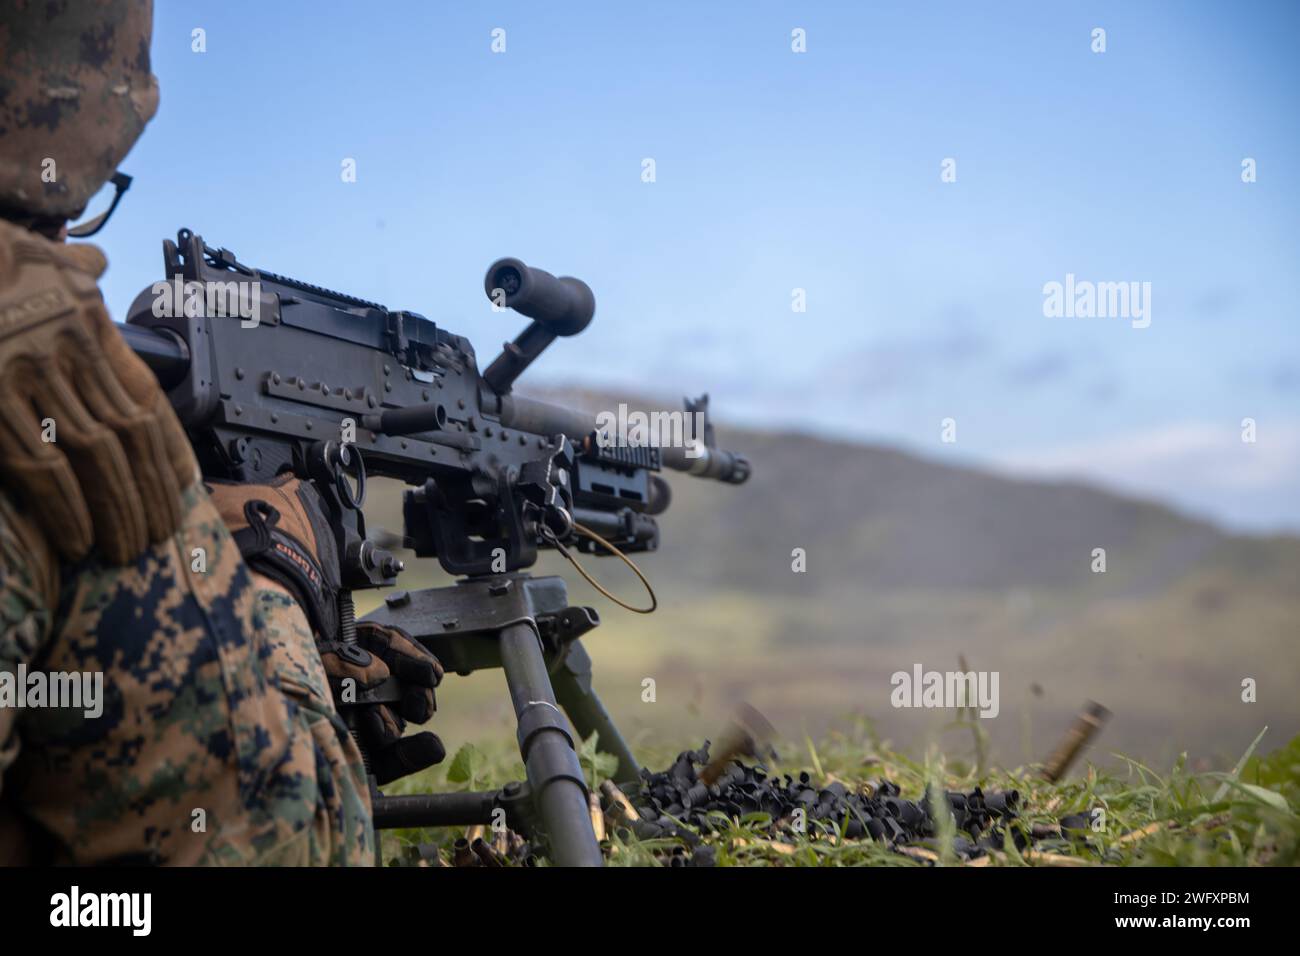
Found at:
[1246, 817]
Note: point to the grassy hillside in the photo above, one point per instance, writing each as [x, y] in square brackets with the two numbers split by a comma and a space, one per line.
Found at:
[913, 561]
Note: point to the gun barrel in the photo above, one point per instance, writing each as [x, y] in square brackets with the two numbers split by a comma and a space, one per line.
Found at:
[165, 354]
[715, 463]
[543, 418]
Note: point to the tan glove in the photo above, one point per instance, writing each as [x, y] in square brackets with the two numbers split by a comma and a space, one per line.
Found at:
[391, 651]
[112, 476]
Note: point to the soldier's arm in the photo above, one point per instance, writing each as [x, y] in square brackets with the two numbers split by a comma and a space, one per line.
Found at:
[28, 598]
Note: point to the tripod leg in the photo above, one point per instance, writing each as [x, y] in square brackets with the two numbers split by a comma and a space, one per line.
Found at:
[554, 774]
[572, 680]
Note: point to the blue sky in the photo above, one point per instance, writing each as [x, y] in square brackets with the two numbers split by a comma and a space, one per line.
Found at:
[776, 171]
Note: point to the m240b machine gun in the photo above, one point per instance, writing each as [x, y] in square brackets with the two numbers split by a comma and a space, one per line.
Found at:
[268, 375]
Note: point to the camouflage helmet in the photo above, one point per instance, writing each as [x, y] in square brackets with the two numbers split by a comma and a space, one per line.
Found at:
[75, 94]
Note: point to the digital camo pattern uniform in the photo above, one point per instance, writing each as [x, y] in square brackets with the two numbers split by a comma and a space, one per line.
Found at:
[215, 699]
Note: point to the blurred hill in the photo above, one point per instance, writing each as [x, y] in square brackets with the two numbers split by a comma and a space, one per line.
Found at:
[911, 561]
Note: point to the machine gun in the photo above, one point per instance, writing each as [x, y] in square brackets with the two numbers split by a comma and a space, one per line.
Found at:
[269, 374]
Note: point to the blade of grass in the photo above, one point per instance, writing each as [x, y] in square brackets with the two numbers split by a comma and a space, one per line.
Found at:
[1236, 771]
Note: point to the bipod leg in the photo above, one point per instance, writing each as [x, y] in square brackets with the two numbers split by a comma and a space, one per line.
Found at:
[572, 681]
[554, 774]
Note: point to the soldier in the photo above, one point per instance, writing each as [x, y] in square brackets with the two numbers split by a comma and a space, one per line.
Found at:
[217, 740]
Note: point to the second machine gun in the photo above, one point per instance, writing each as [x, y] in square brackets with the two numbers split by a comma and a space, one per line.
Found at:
[335, 388]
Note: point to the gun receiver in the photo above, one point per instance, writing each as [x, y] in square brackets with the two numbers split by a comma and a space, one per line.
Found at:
[297, 366]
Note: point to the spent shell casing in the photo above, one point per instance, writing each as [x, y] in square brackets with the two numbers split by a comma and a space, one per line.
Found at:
[597, 815]
[486, 854]
[619, 802]
[1002, 804]
[462, 855]
[749, 734]
[1086, 726]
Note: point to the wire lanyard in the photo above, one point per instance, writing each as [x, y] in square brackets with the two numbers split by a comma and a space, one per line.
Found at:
[555, 542]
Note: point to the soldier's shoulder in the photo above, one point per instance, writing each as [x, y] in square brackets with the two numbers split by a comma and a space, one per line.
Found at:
[183, 585]
[200, 557]
[29, 263]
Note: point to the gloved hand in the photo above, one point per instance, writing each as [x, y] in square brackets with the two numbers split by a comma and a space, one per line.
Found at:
[391, 651]
[113, 475]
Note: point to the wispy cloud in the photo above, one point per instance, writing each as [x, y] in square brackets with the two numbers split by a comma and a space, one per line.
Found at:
[1203, 466]
[905, 361]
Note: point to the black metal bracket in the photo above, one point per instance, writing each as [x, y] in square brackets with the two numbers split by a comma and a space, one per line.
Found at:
[458, 809]
[459, 624]
[464, 625]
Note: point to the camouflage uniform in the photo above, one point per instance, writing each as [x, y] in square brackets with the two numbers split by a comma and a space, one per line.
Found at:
[214, 696]
[214, 700]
